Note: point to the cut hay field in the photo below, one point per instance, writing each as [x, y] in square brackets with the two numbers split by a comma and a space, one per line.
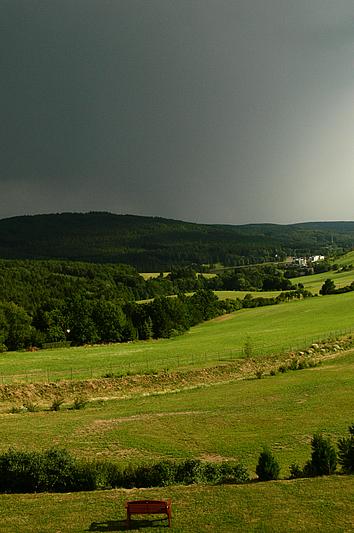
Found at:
[271, 329]
[309, 505]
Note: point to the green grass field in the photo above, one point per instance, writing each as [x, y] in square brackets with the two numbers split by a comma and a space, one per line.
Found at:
[233, 295]
[230, 420]
[271, 329]
[309, 505]
[314, 283]
[223, 421]
[346, 259]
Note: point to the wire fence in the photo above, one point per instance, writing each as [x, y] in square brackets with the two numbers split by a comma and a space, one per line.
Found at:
[149, 365]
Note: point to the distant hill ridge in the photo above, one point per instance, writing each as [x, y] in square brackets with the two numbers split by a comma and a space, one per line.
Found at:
[155, 243]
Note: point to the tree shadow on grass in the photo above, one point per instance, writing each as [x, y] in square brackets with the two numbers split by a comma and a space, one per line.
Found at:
[121, 525]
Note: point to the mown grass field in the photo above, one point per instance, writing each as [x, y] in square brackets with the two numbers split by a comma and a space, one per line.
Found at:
[233, 295]
[346, 259]
[271, 329]
[230, 420]
[314, 283]
[308, 505]
[223, 421]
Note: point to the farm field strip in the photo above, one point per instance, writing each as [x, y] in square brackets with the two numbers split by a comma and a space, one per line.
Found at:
[270, 329]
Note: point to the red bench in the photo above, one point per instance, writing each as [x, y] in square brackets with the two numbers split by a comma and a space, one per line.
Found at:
[149, 507]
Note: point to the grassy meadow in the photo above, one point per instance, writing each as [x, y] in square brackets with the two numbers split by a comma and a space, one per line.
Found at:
[234, 295]
[219, 422]
[314, 282]
[344, 260]
[308, 505]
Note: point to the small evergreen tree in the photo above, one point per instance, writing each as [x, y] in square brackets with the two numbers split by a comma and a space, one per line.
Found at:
[323, 458]
[328, 287]
[268, 467]
[346, 452]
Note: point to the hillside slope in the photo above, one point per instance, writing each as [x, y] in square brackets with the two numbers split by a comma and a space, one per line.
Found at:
[153, 244]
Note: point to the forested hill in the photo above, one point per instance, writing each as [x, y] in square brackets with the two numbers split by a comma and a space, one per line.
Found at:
[153, 244]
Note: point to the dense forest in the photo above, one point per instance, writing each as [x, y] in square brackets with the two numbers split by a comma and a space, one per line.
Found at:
[45, 302]
[153, 244]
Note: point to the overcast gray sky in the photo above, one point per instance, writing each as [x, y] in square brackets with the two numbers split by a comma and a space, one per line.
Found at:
[218, 111]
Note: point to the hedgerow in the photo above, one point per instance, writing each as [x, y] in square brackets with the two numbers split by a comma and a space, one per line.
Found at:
[55, 470]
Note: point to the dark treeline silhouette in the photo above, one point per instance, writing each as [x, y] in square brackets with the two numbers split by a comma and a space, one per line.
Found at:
[153, 244]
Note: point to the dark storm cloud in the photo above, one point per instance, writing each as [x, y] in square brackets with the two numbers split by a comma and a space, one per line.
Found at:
[217, 111]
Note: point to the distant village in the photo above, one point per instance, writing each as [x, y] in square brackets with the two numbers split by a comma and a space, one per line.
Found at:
[305, 261]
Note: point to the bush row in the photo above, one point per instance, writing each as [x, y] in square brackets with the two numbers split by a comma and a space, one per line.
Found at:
[55, 470]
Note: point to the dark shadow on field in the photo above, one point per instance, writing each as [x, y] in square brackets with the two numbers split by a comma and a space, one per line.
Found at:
[121, 525]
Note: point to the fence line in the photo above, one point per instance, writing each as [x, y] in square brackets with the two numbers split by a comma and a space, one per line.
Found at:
[180, 361]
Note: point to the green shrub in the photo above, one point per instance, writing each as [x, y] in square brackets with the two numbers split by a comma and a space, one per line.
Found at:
[19, 471]
[293, 365]
[79, 403]
[346, 452]
[233, 473]
[156, 475]
[31, 407]
[15, 409]
[56, 404]
[267, 467]
[61, 472]
[190, 471]
[108, 475]
[53, 470]
[295, 471]
[323, 457]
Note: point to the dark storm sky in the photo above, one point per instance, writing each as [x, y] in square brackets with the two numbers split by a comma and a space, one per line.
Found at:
[220, 111]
